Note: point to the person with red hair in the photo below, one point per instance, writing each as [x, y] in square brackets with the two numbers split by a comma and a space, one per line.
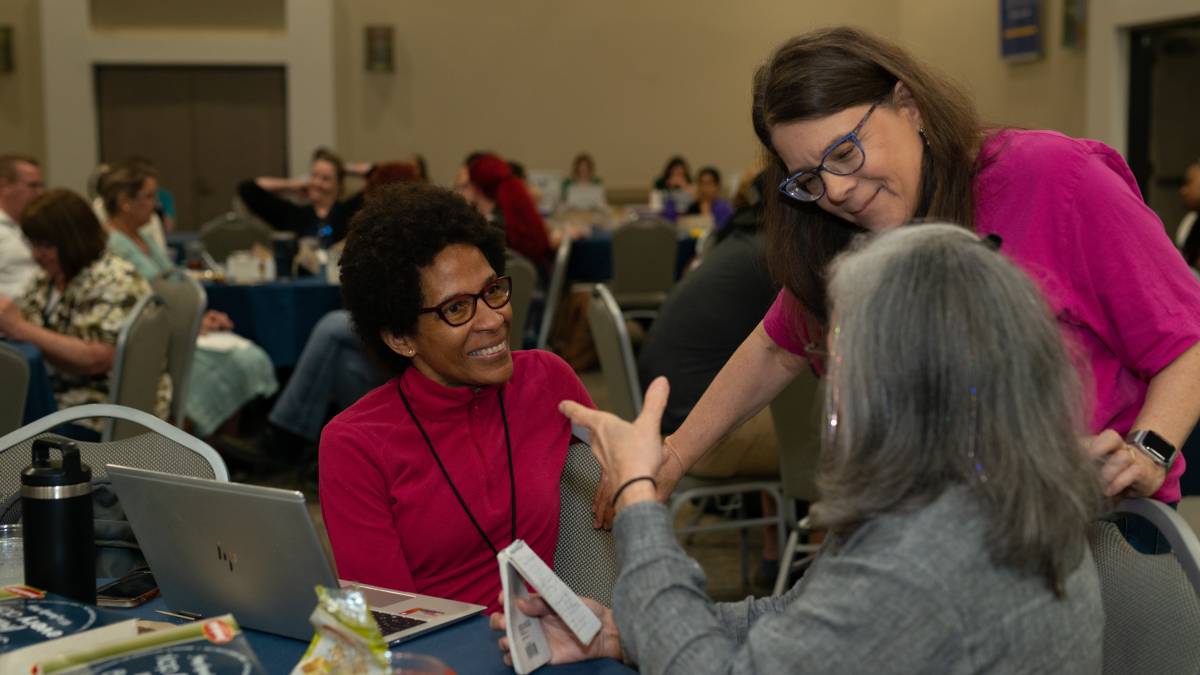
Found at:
[525, 231]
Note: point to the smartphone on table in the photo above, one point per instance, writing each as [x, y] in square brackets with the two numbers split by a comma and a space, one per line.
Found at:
[130, 590]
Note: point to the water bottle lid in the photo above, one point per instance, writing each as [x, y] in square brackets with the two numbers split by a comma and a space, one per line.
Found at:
[44, 471]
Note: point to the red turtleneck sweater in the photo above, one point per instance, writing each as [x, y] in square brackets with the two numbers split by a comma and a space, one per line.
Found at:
[392, 518]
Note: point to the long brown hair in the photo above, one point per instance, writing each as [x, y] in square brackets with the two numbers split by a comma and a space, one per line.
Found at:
[62, 219]
[824, 72]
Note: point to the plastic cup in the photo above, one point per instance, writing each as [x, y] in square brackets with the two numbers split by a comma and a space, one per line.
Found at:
[12, 555]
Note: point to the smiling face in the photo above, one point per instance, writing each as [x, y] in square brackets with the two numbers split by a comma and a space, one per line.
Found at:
[474, 354]
[882, 194]
[322, 182]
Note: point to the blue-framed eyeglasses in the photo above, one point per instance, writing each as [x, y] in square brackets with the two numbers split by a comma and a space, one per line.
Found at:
[844, 157]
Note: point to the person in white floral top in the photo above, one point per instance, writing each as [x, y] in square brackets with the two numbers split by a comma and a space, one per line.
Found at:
[74, 305]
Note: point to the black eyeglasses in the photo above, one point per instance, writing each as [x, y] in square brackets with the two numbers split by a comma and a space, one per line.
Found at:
[461, 308]
[844, 157]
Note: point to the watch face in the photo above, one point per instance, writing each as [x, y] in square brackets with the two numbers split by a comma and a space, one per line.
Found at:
[1154, 445]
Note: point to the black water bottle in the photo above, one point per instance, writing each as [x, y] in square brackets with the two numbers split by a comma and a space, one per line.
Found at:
[56, 503]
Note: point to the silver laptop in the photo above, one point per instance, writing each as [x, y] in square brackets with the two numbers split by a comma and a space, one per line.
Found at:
[218, 547]
[585, 196]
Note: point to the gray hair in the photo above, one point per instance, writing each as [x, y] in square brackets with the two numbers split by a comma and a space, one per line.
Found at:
[947, 370]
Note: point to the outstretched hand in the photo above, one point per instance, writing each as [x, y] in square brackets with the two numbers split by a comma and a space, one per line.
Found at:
[564, 648]
[625, 450]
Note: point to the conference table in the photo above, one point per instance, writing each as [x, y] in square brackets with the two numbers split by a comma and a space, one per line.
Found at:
[591, 256]
[466, 647]
[277, 315]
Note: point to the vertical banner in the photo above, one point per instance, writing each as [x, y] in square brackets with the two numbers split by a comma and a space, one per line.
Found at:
[1020, 30]
[379, 49]
[1074, 22]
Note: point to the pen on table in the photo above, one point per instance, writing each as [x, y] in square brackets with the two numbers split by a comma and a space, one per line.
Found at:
[179, 614]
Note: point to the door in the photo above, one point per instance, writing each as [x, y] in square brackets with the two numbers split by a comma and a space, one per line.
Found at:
[204, 127]
[1164, 138]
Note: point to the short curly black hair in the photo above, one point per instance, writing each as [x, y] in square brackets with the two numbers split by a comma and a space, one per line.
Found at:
[400, 230]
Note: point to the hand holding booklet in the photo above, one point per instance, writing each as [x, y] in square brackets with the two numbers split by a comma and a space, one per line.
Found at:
[520, 569]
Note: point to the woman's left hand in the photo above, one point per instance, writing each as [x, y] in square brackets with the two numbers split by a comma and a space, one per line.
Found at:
[1124, 470]
[625, 450]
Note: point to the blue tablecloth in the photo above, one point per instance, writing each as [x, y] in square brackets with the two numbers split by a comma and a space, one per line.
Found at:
[467, 647]
[39, 395]
[591, 257]
[277, 316]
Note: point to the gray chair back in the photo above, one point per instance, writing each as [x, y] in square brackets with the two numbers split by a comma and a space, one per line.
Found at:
[141, 360]
[585, 558]
[643, 261]
[14, 373]
[615, 352]
[524, 279]
[555, 291]
[1151, 602]
[157, 446]
[185, 302]
[797, 415]
[231, 232]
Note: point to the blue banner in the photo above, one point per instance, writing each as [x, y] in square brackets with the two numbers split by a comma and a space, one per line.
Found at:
[1020, 29]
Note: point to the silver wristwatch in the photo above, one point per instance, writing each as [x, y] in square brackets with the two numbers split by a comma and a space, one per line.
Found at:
[1157, 447]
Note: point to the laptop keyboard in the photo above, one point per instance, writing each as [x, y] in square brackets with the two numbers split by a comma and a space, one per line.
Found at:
[393, 623]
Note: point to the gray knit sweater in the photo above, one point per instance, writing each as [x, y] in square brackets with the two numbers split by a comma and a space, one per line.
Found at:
[907, 593]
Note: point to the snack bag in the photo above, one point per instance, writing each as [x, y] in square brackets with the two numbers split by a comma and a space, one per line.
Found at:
[347, 638]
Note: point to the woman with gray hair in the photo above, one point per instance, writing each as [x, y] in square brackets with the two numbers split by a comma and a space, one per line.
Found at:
[953, 485]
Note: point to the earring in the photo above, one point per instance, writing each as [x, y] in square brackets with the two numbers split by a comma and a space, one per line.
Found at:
[921, 132]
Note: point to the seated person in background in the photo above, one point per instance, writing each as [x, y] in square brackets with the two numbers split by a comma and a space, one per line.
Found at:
[953, 484]
[583, 172]
[420, 478]
[222, 380]
[674, 186]
[704, 319]
[708, 200]
[524, 229]
[676, 175]
[20, 183]
[1188, 235]
[322, 214]
[518, 170]
[74, 306]
[332, 371]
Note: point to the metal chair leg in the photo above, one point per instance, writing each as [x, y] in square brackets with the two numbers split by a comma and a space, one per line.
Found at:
[785, 561]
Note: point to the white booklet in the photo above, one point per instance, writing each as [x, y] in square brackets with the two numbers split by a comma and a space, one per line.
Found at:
[521, 568]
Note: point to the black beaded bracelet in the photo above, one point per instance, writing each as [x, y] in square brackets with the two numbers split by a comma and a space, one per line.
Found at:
[631, 481]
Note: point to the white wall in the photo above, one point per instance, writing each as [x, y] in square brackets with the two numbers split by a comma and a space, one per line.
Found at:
[71, 48]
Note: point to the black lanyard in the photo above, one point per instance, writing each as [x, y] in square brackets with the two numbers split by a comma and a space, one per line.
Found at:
[512, 482]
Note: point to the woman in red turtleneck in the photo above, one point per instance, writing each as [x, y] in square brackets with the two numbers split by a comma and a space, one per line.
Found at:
[427, 476]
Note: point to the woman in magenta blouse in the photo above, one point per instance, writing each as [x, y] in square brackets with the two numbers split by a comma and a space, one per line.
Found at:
[426, 477]
[863, 138]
